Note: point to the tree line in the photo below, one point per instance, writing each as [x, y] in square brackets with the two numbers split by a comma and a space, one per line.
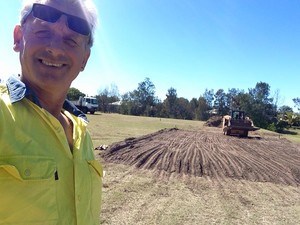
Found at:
[257, 103]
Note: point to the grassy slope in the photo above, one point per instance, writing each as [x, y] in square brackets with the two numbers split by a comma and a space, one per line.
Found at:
[294, 137]
[132, 196]
[109, 128]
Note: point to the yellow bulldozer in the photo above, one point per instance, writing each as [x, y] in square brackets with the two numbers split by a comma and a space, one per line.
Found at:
[237, 124]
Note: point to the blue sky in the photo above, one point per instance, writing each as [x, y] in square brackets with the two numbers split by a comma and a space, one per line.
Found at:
[190, 45]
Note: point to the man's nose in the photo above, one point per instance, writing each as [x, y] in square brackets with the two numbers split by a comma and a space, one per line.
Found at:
[56, 43]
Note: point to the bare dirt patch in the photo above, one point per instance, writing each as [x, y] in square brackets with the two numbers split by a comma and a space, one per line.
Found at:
[208, 153]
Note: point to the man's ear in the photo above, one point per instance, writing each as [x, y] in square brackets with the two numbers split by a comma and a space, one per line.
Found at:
[17, 38]
[86, 58]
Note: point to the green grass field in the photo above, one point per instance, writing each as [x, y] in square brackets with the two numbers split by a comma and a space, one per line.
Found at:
[293, 137]
[110, 128]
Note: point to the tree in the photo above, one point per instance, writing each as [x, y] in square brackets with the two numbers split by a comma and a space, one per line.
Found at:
[209, 97]
[171, 103]
[74, 94]
[194, 106]
[183, 109]
[145, 96]
[221, 102]
[128, 106]
[285, 109]
[244, 102]
[262, 107]
[261, 92]
[297, 103]
[141, 101]
[276, 99]
[203, 107]
[107, 96]
[233, 101]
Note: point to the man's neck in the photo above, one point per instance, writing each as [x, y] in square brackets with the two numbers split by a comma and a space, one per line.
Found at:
[51, 104]
[49, 99]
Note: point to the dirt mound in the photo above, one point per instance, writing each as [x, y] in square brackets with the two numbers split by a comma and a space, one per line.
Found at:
[208, 153]
[214, 121]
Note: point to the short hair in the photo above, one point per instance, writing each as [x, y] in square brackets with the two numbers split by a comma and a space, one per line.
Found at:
[88, 6]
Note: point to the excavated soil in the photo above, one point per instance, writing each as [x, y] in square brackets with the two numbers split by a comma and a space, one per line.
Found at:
[209, 153]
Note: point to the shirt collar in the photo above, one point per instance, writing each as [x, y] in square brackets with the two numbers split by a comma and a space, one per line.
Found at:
[18, 90]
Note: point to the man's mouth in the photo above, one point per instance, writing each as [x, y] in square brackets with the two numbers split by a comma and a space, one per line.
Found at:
[57, 65]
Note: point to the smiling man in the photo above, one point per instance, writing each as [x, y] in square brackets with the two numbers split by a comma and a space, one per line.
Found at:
[48, 171]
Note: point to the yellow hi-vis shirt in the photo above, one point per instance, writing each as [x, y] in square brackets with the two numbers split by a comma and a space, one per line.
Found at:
[42, 181]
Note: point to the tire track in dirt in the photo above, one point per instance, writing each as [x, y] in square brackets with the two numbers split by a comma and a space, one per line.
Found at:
[265, 161]
[211, 154]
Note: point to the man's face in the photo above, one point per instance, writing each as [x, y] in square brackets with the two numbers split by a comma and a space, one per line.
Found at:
[51, 54]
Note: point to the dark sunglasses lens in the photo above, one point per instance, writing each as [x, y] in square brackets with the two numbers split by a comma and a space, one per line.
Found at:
[45, 13]
[51, 15]
[79, 25]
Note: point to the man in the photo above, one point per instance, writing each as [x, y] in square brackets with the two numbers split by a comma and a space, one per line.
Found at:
[48, 172]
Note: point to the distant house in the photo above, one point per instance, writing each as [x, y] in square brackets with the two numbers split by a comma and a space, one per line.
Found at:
[114, 107]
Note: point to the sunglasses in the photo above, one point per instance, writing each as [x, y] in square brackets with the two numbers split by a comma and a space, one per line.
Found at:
[51, 15]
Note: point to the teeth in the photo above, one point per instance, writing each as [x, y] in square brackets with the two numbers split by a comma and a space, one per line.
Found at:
[52, 64]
